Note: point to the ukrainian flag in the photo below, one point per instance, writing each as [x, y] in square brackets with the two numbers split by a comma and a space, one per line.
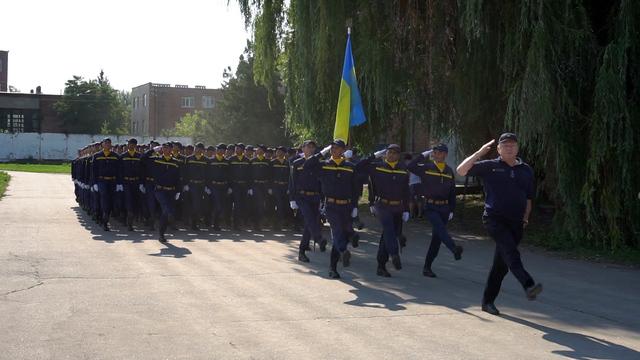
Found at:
[350, 111]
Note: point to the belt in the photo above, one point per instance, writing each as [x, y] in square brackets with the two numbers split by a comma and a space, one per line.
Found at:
[135, 178]
[149, 178]
[107, 177]
[219, 182]
[437, 202]
[390, 202]
[169, 188]
[260, 181]
[196, 181]
[331, 200]
[309, 193]
[240, 182]
[281, 182]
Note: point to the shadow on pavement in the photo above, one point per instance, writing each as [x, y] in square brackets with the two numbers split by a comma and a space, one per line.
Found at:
[172, 251]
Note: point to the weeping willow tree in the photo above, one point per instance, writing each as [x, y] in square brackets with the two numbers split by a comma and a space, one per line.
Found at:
[563, 74]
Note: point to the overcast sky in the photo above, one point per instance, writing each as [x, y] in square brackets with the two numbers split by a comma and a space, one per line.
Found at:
[186, 42]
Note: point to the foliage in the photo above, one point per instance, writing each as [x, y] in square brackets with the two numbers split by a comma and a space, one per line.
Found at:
[4, 182]
[191, 125]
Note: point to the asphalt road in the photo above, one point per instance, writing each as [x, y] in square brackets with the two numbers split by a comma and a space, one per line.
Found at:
[70, 290]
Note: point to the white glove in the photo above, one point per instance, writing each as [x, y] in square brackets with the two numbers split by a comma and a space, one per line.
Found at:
[142, 189]
[95, 188]
[250, 192]
[372, 209]
[348, 154]
[119, 187]
[185, 188]
[293, 205]
[354, 212]
[427, 153]
[157, 148]
[405, 216]
[177, 195]
[450, 216]
[380, 153]
[207, 190]
[326, 150]
[270, 192]
[229, 191]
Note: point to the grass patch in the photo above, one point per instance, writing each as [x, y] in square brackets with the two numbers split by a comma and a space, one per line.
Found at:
[4, 182]
[60, 168]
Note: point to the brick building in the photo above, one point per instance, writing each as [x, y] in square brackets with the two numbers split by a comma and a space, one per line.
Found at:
[156, 107]
[29, 113]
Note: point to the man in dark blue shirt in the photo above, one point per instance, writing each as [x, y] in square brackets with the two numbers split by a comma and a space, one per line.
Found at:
[166, 176]
[508, 186]
[130, 178]
[105, 166]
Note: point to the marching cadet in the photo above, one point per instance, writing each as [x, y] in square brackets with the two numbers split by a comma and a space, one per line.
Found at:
[260, 182]
[230, 151]
[166, 176]
[105, 172]
[388, 201]
[240, 177]
[304, 194]
[147, 187]
[508, 187]
[280, 181]
[207, 206]
[439, 190]
[218, 184]
[339, 187]
[195, 178]
[130, 178]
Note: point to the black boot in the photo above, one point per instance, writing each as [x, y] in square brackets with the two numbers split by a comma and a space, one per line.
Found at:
[428, 273]
[355, 240]
[302, 257]
[323, 245]
[395, 260]
[346, 258]
[490, 308]
[382, 271]
[457, 252]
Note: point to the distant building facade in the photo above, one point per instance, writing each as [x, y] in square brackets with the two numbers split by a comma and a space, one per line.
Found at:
[4, 71]
[157, 107]
[29, 113]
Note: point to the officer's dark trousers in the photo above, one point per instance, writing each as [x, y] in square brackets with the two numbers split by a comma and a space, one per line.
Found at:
[218, 200]
[195, 205]
[131, 198]
[507, 235]
[106, 191]
[240, 204]
[438, 216]
[281, 204]
[391, 221]
[258, 203]
[310, 209]
[166, 201]
[150, 198]
[339, 217]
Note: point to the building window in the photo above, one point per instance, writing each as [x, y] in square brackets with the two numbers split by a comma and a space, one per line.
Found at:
[144, 100]
[187, 102]
[15, 123]
[208, 102]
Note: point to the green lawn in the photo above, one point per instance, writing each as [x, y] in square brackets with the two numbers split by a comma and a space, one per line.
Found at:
[4, 181]
[64, 168]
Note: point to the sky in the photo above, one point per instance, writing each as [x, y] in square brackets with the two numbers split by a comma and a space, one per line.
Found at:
[186, 42]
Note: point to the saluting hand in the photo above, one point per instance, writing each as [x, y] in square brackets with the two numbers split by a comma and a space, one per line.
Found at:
[484, 149]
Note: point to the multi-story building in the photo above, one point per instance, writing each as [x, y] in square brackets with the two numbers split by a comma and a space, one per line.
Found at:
[4, 67]
[156, 107]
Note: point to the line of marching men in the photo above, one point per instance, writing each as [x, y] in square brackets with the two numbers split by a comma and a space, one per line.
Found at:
[245, 185]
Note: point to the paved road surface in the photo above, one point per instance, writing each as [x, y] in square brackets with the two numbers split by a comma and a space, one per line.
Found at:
[70, 290]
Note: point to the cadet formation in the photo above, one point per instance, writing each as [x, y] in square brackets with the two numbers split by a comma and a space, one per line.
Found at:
[242, 187]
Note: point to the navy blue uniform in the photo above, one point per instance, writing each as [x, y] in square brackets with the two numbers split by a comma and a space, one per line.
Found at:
[151, 205]
[507, 190]
[261, 182]
[304, 189]
[279, 184]
[195, 175]
[218, 180]
[130, 177]
[166, 177]
[240, 177]
[439, 190]
[105, 173]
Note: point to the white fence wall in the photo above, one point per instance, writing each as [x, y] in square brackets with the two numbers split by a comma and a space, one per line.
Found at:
[53, 146]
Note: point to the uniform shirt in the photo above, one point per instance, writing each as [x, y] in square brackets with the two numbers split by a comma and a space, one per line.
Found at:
[166, 173]
[388, 182]
[437, 184]
[304, 180]
[240, 169]
[280, 172]
[338, 178]
[260, 170]
[130, 167]
[105, 167]
[218, 171]
[147, 165]
[195, 169]
[506, 188]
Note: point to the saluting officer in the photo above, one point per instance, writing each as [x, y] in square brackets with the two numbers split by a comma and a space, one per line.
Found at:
[105, 172]
[219, 185]
[130, 178]
[508, 187]
[260, 182]
[166, 174]
[240, 176]
[439, 190]
[195, 177]
[280, 182]
[388, 201]
[304, 194]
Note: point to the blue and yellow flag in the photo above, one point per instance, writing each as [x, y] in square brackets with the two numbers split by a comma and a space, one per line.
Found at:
[350, 111]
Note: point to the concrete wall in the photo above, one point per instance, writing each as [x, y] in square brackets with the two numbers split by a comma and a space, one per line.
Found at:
[53, 146]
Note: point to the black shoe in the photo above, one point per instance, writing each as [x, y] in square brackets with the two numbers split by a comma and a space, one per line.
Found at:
[428, 273]
[355, 240]
[323, 245]
[130, 228]
[533, 291]
[162, 239]
[216, 228]
[346, 258]
[303, 258]
[333, 274]
[194, 228]
[105, 227]
[457, 252]
[490, 308]
[403, 241]
[395, 260]
[382, 272]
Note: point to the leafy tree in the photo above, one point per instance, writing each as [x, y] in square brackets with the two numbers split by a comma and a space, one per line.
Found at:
[191, 125]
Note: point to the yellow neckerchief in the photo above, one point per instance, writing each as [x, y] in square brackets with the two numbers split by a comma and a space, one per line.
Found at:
[131, 153]
[281, 159]
[107, 152]
[199, 157]
[166, 158]
[338, 161]
[219, 157]
[440, 165]
[175, 153]
[392, 163]
[260, 157]
[240, 157]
